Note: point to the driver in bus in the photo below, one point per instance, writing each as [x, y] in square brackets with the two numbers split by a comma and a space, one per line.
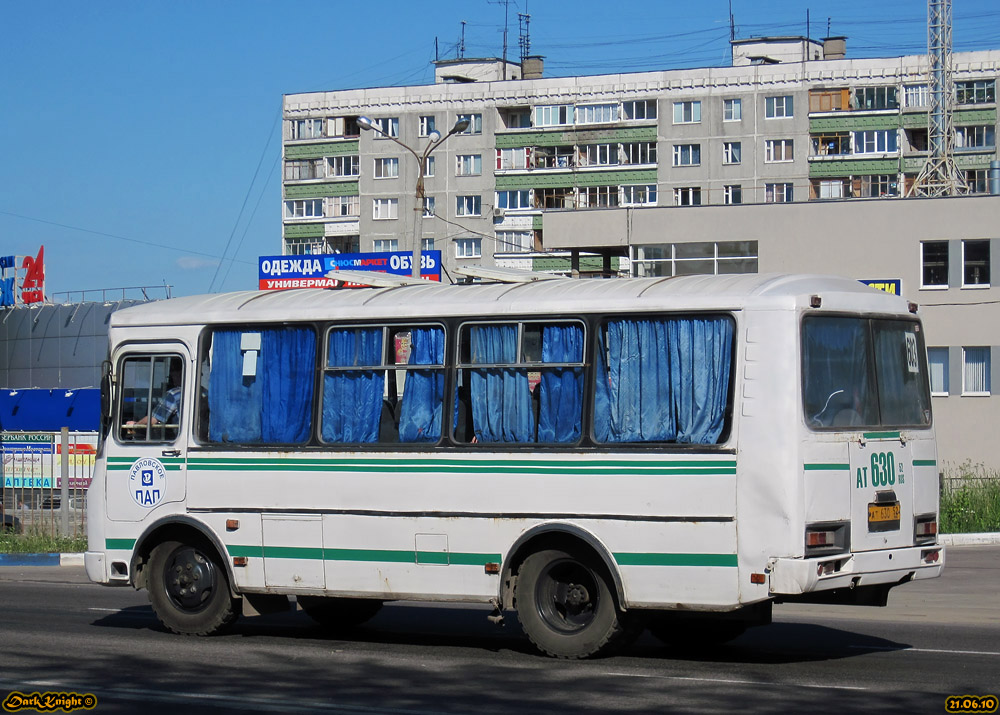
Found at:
[166, 410]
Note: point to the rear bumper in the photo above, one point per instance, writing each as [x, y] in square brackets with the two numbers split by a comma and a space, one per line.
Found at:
[789, 576]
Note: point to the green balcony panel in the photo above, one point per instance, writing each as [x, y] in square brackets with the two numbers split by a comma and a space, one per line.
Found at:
[318, 151]
[536, 223]
[546, 180]
[849, 123]
[318, 191]
[304, 230]
[575, 136]
[821, 169]
[562, 263]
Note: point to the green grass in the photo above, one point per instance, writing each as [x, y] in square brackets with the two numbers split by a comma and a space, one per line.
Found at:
[34, 541]
[970, 501]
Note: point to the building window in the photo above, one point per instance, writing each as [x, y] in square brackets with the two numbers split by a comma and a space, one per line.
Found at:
[778, 150]
[386, 168]
[469, 205]
[598, 155]
[468, 165]
[731, 152]
[732, 194]
[880, 141]
[875, 98]
[343, 244]
[829, 100]
[383, 209]
[639, 109]
[384, 245]
[978, 181]
[976, 264]
[305, 128]
[304, 246]
[832, 144]
[937, 364]
[426, 244]
[563, 197]
[916, 95]
[468, 247]
[641, 195]
[429, 167]
[732, 110]
[676, 259]
[475, 123]
[348, 165]
[778, 107]
[598, 197]
[388, 126]
[976, 371]
[933, 264]
[304, 208]
[512, 200]
[512, 159]
[596, 113]
[555, 115]
[687, 154]
[637, 153]
[777, 193]
[829, 188]
[982, 137]
[982, 91]
[428, 207]
[687, 196]
[345, 206]
[687, 112]
[306, 169]
[515, 242]
[876, 186]
[343, 127]
[425, 125]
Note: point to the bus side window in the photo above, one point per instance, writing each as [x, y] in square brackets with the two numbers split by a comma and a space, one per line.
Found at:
[150, 398]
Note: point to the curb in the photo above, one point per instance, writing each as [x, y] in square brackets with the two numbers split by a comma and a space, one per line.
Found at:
[75, 559]
[968, 539]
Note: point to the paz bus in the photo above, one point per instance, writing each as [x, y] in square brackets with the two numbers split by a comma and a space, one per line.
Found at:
[677, 454]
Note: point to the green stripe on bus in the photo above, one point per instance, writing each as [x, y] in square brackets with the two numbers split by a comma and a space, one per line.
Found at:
[924, 462]
[832, 467]
[371, 555]
[119, 544]
[881, 435]
[728, 560]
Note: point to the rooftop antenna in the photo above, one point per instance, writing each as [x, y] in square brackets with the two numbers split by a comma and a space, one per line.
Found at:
[506, 19]
[524, 41]
[939, 175]
[732, 24]
[461, 43]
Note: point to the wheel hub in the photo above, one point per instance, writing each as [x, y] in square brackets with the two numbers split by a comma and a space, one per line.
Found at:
[577, 595]
[190, 579]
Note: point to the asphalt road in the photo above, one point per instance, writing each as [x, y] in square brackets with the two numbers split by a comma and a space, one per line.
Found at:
[60, 633]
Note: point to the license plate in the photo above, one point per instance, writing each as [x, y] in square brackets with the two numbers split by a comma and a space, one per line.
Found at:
[883, 517]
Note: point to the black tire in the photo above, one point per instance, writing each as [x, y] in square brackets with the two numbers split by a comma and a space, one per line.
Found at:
[189, 588]
[566, 606]
[339, 614]
[695, 633]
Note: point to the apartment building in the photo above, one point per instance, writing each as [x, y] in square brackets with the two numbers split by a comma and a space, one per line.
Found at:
[795, 158]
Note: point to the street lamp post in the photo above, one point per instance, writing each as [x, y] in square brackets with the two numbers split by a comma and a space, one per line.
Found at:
[435, 140]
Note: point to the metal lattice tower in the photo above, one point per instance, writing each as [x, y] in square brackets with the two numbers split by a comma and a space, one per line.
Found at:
[940, 175]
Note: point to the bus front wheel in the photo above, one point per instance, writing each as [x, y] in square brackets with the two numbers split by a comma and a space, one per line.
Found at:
[565, 605]
[188, 589]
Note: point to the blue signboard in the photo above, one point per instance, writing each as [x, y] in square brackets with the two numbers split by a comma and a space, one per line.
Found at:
[890, 285]
[282, 272]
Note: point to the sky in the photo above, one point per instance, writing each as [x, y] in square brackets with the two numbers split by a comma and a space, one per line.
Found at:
[140, 142]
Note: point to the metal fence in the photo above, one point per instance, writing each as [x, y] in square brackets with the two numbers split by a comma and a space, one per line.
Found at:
[971, 476]
[45, 477]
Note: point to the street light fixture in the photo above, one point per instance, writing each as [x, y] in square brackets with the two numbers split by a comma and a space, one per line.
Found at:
[435, 140]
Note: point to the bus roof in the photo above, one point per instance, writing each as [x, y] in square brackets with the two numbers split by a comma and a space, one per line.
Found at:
[563, 296]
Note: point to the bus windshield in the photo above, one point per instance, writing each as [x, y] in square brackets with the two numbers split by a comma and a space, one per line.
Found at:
[864, 372]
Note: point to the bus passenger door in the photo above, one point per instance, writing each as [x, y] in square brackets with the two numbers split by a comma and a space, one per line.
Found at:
[882, 493]
[146, 454]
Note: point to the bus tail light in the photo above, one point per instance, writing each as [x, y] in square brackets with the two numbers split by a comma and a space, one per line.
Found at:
[930, 556]
[925, 528]
[828, 537]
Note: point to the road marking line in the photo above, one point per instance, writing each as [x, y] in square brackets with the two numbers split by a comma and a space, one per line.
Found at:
[729, 681]
[927, 650]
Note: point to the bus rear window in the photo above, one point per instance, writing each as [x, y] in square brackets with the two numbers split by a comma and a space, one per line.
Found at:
[864, 373]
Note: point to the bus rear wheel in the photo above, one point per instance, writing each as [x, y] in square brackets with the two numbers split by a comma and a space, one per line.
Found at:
[189, 590]
[339, 614]
[566, 607]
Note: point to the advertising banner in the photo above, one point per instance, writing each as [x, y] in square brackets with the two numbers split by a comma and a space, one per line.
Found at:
[33, 461]
[284, 272]
[887, 285]
[22, 279]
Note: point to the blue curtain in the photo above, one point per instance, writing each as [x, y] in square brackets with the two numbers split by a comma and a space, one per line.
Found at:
[663, 381]
[352, 399]
[423, 395]
[561, 388]
[501, 398]
[234, 403]
[286, 377]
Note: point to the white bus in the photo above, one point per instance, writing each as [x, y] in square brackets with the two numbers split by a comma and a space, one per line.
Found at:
[599, 456]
